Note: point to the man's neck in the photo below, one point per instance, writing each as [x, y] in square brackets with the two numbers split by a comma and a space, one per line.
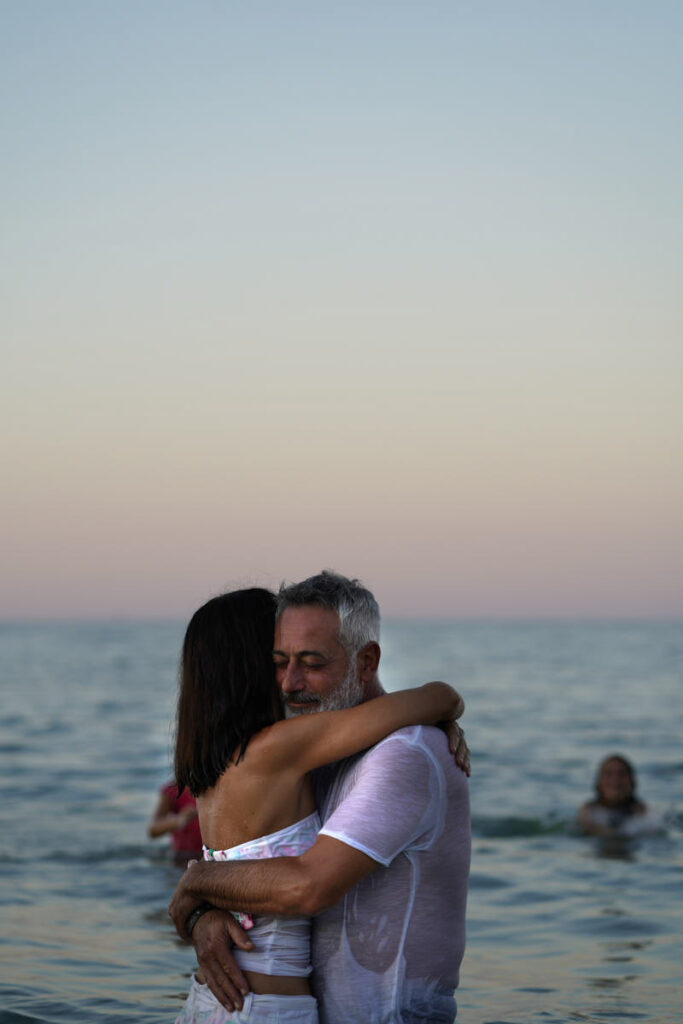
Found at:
[373, 689]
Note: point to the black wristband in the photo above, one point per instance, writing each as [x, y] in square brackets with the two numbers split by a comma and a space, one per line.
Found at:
[195, 915]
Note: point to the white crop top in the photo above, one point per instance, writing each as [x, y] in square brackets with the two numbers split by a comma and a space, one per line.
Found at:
[282, 944]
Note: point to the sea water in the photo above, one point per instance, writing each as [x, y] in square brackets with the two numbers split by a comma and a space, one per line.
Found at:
[560, 927]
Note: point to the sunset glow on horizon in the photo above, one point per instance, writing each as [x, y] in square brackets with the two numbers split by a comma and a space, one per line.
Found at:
[389, 289]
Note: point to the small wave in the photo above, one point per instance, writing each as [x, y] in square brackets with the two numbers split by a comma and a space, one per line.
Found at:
[53, 727]
[478, 880]
[673, 819]
[512, 827]
[113, 853]
[12, 722]
[9, 1017]
[665, 771]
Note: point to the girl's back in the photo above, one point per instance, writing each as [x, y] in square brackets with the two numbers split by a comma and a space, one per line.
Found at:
[256, 795]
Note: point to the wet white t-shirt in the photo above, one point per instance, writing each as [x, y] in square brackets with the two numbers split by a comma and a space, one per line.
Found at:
[390, 950]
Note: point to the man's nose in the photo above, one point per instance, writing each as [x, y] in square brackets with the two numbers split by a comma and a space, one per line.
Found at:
[290, 677]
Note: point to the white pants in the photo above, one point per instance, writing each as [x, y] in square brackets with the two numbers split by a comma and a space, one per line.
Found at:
[202, 1007]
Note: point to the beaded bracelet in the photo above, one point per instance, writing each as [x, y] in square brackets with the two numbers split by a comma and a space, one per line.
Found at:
[195, 915]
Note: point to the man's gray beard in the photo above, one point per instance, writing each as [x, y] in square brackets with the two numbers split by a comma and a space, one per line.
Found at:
[348, 694]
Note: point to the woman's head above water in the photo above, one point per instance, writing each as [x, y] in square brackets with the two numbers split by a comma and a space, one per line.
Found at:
[615, 782]
[227, 684]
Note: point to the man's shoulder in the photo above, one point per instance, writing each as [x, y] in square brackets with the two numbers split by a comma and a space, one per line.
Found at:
[404, 747]
[418, 737]
[415, 751]
[419, 748]
[412, 742]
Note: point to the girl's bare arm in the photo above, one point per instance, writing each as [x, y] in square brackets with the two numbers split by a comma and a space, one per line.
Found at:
[310, 740]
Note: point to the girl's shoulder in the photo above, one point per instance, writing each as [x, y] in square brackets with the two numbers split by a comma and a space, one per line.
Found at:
[268, 746]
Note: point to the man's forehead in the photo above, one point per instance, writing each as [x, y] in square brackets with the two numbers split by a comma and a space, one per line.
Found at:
[307, 627]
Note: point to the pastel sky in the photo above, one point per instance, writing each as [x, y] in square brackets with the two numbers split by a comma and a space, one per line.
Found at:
[387, 287]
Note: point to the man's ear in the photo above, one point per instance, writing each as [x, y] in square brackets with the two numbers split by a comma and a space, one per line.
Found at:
[368, 662]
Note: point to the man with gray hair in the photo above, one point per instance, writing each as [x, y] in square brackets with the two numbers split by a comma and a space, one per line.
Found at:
[357, 626]
[386, 880]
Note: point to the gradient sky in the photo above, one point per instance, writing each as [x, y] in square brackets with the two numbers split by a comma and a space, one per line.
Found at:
[388, 287]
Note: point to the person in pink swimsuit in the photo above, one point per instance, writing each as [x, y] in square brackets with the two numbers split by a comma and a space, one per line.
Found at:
[176, 814]
[249, 770]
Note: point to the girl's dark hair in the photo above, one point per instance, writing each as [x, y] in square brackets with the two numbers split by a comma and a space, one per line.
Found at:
[227, 685]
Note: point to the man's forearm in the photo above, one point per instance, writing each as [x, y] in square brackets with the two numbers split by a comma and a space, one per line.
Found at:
[278, 886]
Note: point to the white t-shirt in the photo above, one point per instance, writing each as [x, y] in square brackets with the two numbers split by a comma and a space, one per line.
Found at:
[390, 950]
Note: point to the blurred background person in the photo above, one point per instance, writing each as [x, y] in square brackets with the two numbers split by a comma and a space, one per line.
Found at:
[616, 807]
[176, 814]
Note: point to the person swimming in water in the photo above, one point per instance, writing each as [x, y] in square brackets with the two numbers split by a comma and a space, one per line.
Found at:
[616, 807]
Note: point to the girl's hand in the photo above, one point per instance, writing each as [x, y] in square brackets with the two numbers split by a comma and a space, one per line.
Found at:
[457, 744]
